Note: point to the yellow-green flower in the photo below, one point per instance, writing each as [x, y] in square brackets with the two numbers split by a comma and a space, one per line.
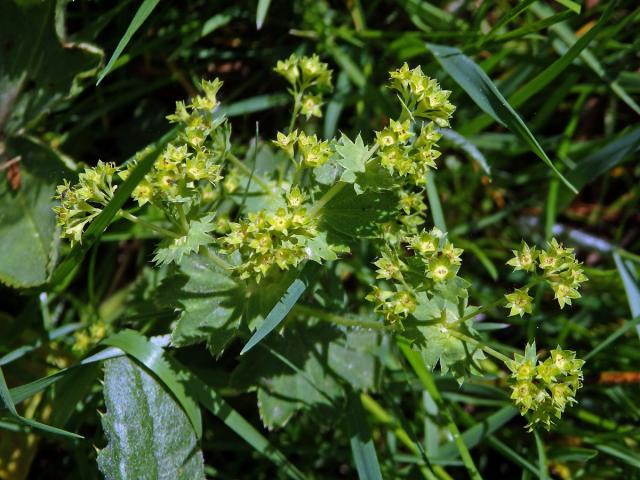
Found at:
[519, 302]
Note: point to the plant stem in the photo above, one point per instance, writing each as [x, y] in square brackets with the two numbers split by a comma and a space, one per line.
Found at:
[183, 218]
[296, 109]
[337, 319]
[151, 226]
[494, 353]
[326, 198]
[216, 259]
[483, 309]
[255, 177]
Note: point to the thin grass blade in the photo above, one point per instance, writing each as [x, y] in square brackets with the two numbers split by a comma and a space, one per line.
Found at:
[364, 453]
[487, 96]
[284, 305]
[631, 285]
[139, 18]
[261, 12]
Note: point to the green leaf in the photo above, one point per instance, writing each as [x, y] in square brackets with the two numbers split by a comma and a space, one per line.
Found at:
[351, 215]
[39, 67]
[311, 361]
[146, 353]
[635, 322]
[626, 455]
[631, 284]
[172, 250]
[261, 13]
[459, 141]
[139, 18]
[487, 96]
[362, 448]
[284, 305]
[352, 155]
[149, 435]
[348, 65]
[335, 106]
[258, 103]
[474, 435]
[600, 161]
[571, 5]
[374, 178]
[27, 223]
[23, 392]
[200, 391]
[434, 203]
[549, 74]
[567, 36]
[8, 408]
[426, 378]
[209, 301]
[572, 454]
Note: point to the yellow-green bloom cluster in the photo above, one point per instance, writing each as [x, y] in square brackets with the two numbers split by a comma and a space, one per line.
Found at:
[304, 149]
[195, 157]
[561, 270]
[82, 202]
[87, 338]
[269, 239]
[392, 305]
[441, 263]
[405, 156]
[519, 302]
[544, 388]
[304, 73]
[422, 95]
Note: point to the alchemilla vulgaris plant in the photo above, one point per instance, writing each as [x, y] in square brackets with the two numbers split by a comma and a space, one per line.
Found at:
[241, 232]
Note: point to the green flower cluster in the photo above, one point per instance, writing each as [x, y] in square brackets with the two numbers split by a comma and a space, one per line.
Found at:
[544, 388]
[438, 260]
[305, 150]
[309, 77]
[267, 239]
[421, 95]
[87, 338]
[196, 157]
[401, 151]
[82, 202]
[560, 268]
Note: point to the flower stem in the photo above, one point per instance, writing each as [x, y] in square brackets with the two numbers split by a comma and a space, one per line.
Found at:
[183, 218]
[483, 309]
[485, 348]
[337, 319]
[255, 177]
[297, 98]
[326, 198]
[151, 226]
[216, 259]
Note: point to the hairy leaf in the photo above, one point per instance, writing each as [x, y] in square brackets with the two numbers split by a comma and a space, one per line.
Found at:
[351, 215]
[438, 317]
[172, 250]
[301, 370]
[27, 223]
[149, 435]
[209, 302]
[352, 155]
[40, 69]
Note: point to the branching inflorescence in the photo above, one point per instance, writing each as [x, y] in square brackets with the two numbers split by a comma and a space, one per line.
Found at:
[192, 192]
